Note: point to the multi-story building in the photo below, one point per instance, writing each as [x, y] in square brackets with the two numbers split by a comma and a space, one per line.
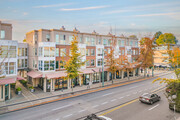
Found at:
[49, 48]
[8, 61]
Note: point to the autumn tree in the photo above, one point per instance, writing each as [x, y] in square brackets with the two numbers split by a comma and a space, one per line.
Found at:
[74, 63]
[146, 53]
[111, 61]
[166, 38]
[174, 56]
[156, 36]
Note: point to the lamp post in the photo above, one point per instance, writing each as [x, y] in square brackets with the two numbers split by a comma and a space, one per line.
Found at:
[102, 67]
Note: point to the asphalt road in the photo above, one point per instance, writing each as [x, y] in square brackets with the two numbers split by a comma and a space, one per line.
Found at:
[75, 108]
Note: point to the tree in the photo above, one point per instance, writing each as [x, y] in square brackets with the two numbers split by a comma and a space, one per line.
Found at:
[146, 53]
[111, 60]
[74, 63]
[166, 38]
[173, 89]
[174, 56]
[156, 36]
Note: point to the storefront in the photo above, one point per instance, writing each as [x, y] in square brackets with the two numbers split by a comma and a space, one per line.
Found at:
[60, 84]
[96, 78]
[86, 79]
[118, 75]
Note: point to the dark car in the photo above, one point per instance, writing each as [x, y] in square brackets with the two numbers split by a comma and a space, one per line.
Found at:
[95, 117]
[149, 98]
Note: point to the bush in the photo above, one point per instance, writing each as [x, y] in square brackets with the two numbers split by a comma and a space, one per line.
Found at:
[24, 83]
[13, 85]
[31, 87]
[18, 89]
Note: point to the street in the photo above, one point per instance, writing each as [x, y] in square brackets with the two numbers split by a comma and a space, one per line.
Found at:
[101, 102]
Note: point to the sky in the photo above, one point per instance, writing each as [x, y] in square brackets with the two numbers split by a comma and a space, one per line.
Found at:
[127, 17]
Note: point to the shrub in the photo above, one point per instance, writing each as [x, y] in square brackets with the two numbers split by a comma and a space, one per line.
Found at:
[24, 83]
[18, 89]
[31, 87]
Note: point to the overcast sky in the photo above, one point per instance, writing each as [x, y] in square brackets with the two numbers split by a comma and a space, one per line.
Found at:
[140, 17]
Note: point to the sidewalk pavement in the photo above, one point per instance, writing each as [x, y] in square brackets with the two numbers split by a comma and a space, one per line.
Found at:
[27, 98]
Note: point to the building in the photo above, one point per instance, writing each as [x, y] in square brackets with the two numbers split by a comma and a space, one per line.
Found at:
[8, 61]
[49, 47]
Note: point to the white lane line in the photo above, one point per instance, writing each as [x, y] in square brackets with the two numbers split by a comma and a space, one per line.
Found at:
[154, 107]
[95, 106]
[133, 87]
[107, 94]
[121, 97]
[127, 95]
[113, 100]
[61, 107]
[67, 116]
[104, 103]
[81, 111]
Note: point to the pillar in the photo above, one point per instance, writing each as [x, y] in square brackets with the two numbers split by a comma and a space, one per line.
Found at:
[100, 74]
[128, 73]
[54, 81]
[44, 88]
[107, 76]
[80, 78]
[69, 83]
[1, 86]
[9, 96]
[122, 74]
[114, 75]
[52, 88]
[3, 92]
[134, 72]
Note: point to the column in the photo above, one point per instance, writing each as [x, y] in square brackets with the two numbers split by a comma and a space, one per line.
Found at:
[122, 74]
[69, 83]
[0, 92]
[54, 81]
[100, 74]
[107, 76]
[115, 76]
[128, 73]
[3, 92]
[9, 96]
[52, 88]
[80, 78]
[44, 89]
[134, 72]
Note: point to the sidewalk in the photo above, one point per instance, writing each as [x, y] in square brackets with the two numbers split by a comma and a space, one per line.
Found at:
[27, 98]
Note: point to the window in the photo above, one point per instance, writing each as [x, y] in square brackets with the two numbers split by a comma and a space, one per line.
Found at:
[12, 52]
[99, 41]
[119, 52]
[87, 41]
[7, 68]
[92, 62]
[40, 65]
[99, 62]
[63, 52]
[92, 41]
[99, 51]
[109, 50]
[105, 42]
[134, 52]
[88, 63]
[25, 62]
[81, 40]
[57, 52]
[63, 39]
[12, 68]
[46, 51]
[51, 65]
[2, 34]
[87, 52]
[35, 51]
[131, 43]
[57, 39]
[57, 64]
[119, 43]
[26, 51]
[92, 52]
[23, 65]
[109, 42]
[48, 38]
[61, 64]
[129, 51]
[82, 51]
[105, 52]
[51, 52]
[40, 51]
[46, 65]
[122, 43]
[136, 44]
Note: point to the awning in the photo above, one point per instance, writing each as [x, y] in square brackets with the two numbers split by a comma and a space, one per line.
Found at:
[19, 78]
[86, 71]
[96, 70]
[34, 74]
[5, 81]
[56, 74]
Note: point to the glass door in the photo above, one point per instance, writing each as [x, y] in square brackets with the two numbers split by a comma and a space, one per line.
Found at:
[6, 91]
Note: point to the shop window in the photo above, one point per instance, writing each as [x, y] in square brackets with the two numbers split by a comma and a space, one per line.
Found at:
[57, 64]
[61, 64]
[92, 52]
[92, 62]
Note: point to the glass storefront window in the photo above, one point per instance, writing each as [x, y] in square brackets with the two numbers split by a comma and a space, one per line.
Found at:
[57, 64]
[46, 65]
[51, 65]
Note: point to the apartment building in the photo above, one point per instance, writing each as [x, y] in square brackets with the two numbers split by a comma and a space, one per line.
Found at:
[48, 48]
[8, 61]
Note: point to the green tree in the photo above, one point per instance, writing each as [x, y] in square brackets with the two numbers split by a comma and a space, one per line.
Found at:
[74, 63]
[166, 38]
[156, 36]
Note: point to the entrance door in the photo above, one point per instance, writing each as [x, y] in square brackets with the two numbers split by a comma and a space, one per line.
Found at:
[6, 91]
[48, 85]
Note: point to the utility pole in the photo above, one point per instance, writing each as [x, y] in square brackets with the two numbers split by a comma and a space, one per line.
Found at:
[102, 67]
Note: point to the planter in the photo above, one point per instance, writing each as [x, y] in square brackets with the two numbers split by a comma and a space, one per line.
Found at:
[18, 92]
[32, 90]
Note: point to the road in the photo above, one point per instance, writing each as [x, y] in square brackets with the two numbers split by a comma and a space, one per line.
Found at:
[99, 102]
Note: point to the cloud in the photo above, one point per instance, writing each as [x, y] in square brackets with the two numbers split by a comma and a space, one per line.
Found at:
[84, 8]
[25, 13]
[158, 14]
[53, 5]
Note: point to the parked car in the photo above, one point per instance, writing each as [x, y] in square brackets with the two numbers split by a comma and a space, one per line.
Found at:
[95, 117]
[149, 98]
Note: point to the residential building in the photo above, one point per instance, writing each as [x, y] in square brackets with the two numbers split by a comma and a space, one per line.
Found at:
[8, 61]
[48, 48]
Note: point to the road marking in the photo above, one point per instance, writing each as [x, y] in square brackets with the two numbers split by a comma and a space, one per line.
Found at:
[61, 107]
[133, 87]
[127, 95]
[104, 103]
[67, 116]
[81, 111]
[113, 100]
[95, 106]
[121, 97]
[108, 94]
[154, 107]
